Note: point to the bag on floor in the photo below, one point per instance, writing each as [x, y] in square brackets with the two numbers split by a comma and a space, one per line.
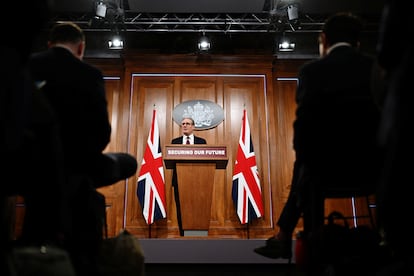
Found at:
[39, 260]
[338, 243]
[121, 255]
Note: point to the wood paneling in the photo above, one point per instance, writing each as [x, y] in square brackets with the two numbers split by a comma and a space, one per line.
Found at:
[223, 80]
[261, 84]
[164, 92]
[114, 194]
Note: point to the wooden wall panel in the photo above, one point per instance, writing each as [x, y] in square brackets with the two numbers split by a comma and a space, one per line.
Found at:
[148, 94]
[248, 93]
[114, 194]
[285, 105]
[231, 91]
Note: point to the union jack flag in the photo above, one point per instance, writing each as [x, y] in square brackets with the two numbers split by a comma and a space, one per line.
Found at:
[246, 192]
[151, 184]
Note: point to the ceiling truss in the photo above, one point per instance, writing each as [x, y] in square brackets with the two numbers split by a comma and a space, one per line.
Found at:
[201, 23]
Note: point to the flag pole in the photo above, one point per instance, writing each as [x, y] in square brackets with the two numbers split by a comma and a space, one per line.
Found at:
[246, 189]
[151, 185]
[149, 225]
[247, 224]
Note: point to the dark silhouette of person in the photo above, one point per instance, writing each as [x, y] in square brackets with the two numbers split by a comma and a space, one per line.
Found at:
[394, 207]
[76, 92]
[335, 130]
[187, 137]
[29, 141]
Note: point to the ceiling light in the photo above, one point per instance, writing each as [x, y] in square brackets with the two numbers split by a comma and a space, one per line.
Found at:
[286, 46]
[204, 43]
[116, 43]
[292, 11]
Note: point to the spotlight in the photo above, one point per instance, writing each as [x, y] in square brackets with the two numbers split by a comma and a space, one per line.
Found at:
[100, 11]
[204, 43]
[116, 43]
[286, 46]
[292, 11]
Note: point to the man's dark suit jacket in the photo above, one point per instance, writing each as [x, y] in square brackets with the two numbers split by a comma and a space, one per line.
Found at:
[76, 91]
[335, 131]
[197, 140]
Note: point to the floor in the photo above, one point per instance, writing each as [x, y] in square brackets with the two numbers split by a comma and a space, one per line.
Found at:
[198, 257]
[237, 258]
[205, 251]
[222, 270]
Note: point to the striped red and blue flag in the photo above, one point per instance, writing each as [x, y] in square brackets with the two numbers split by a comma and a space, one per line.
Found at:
[151, 184]
[246, 190]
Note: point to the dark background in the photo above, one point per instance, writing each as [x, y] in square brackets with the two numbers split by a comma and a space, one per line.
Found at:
[233, 26]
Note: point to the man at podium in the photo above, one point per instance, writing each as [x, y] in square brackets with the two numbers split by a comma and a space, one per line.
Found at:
[187, 137]
[187, 128]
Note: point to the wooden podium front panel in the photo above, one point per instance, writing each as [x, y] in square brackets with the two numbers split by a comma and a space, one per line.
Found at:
[195, 185]
[195, 166]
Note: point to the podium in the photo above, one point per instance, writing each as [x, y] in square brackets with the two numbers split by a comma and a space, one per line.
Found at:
[195, 167]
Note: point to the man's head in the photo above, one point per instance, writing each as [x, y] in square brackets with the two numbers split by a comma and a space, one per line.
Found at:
[68, 35]
[340, 27]
[187, 126]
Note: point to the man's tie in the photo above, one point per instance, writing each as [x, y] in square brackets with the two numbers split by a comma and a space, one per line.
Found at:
[188, 140]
